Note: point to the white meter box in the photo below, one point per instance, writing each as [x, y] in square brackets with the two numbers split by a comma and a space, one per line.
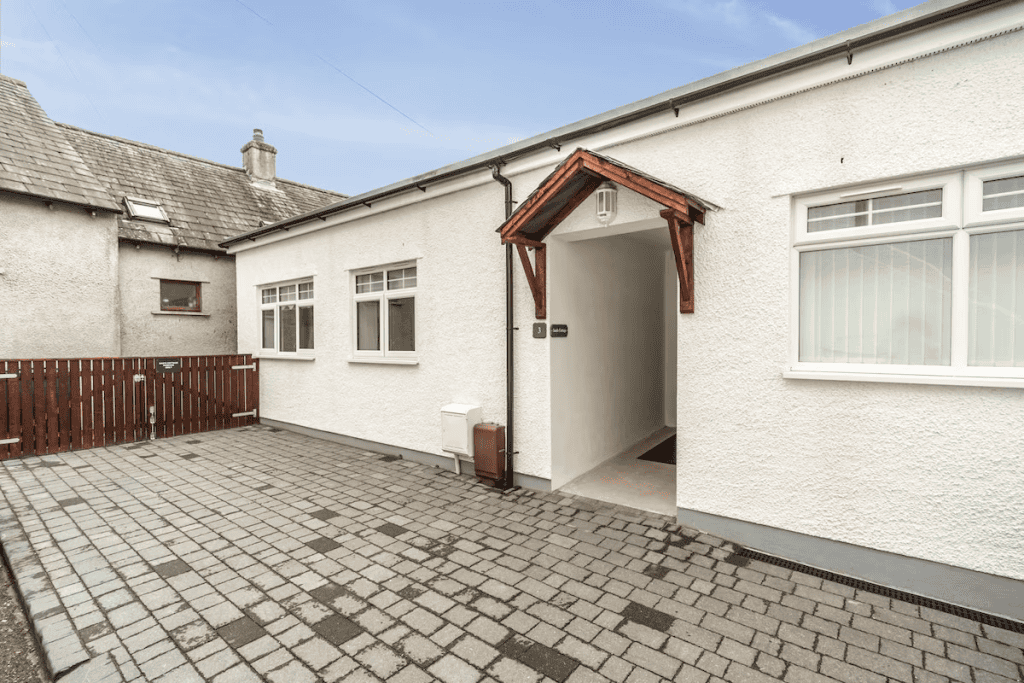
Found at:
[457, 422]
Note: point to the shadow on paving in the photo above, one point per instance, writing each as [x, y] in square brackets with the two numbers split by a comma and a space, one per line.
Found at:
[259, 554]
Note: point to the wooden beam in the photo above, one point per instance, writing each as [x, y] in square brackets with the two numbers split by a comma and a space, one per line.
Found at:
[638, 184]
[549, 188]
[681, 235]
[592, 183]
[538, 280]
[525, 241]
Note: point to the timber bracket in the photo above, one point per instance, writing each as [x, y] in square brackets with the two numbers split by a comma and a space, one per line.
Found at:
[680, 232]
[536, 273]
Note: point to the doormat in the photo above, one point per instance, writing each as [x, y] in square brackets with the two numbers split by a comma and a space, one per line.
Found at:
[664, 452]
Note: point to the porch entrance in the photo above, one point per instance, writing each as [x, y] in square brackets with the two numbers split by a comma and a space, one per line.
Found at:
[613, 378]
[616, 290]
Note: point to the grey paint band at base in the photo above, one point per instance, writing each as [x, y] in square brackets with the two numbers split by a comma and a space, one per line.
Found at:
[997, 595]
[526, 481]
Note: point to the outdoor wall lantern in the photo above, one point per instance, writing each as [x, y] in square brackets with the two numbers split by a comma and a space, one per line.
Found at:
[607, 202]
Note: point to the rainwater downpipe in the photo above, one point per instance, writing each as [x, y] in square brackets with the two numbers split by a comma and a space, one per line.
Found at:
[508, 481]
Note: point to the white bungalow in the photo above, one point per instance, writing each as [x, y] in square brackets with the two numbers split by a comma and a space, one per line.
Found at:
[813, 279]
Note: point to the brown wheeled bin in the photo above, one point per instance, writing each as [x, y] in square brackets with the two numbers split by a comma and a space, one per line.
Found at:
[489, 452]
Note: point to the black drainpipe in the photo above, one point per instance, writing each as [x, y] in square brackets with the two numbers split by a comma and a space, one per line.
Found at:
[508, 482]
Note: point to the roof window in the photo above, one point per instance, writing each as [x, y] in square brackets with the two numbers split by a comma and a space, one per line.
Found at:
[145, 209]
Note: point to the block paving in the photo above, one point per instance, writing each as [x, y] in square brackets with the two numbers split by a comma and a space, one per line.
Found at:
[258, 554]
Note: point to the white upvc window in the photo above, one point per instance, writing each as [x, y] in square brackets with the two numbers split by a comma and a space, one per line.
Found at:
[286, 319]
[384, 314]
[918, 280]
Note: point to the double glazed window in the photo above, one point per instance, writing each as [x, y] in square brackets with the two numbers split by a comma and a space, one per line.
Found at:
[385, 313]
[286, 318]
[181, 296]
[920, 280]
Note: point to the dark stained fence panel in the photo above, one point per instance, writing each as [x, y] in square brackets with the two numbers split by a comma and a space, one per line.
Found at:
[60, 405]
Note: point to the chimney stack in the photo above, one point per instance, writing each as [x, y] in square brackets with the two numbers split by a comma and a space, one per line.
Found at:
[259, 159]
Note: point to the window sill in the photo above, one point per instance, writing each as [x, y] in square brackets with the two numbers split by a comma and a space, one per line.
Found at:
[277, 357]
[194, 314]
[386, 361]
[951, 380]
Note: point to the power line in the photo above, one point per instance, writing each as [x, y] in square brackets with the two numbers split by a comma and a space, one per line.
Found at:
[68, 10]
[32, 7]
[336, 68]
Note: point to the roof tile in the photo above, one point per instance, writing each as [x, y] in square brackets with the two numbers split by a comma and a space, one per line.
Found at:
[206, 202]
[45, 162]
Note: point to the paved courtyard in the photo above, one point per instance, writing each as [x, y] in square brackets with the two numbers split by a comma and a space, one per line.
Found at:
[259, 554]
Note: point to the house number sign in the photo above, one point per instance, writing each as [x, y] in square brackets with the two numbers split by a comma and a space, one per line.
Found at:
[168, 364]
[559, 330]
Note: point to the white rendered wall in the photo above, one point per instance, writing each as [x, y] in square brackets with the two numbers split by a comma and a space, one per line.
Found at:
[929, 471]
[607, 375]
[58, 285]
[460, 328]
[146, 331]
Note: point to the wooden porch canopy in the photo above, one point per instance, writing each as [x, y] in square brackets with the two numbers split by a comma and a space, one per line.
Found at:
[568, 186]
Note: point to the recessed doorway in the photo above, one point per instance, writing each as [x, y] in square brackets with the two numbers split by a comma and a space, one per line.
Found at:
[613, 378]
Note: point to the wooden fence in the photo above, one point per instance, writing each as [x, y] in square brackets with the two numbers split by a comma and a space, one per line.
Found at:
[52, 406]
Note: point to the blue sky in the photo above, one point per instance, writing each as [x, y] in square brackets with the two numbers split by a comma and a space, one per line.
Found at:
[356, 95]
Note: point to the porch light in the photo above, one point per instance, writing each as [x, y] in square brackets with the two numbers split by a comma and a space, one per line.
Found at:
[607, 202]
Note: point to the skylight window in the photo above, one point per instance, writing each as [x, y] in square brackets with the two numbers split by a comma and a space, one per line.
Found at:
[145, 209]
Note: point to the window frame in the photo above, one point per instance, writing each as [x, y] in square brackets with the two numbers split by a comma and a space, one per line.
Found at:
[383, 355]
[275, 306]
[133, 204]
[177, 309]
[961, 218]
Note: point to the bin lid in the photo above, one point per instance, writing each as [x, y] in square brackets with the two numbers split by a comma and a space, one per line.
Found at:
[458, 408]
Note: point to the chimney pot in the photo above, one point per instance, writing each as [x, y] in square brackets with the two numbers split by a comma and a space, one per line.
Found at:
[259, 160]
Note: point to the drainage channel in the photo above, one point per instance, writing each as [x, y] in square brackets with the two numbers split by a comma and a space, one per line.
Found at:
[912, 598]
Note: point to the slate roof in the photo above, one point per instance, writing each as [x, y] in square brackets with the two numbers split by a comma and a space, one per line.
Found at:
[206, 202]
[35, 157]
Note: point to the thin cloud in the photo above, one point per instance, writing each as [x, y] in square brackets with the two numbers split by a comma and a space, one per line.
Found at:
[745, 18]
[884, 7]
[791, 30]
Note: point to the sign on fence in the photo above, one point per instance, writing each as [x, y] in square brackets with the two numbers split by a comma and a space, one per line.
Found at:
[57, 405]
[168, 364]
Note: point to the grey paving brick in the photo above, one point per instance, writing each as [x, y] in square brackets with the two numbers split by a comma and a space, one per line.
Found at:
[451, 669]
[294, 672]
[882, 629]
[880, 664]
[738, 673]
[925, 676]
[848, 673]
[983, 661]
[797, 674]
[867, 641]
[215, 663]
[902, 653]
[730, 629]
[741, 654]
[951, 635]
[1003, 636]
[510, 671]
[996, 649]
[953, 670]
[713, 664]
[419, 649]
[474, 651]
